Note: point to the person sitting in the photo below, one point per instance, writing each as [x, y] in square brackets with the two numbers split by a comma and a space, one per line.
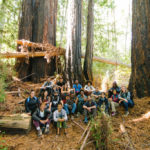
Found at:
[80, 100]
[60, 117]
[64, 92]
[47, 86]
[55, 89]
[70, 106]
[114, 102]
[31, 103]
[103, 100]
[77, 87]
[114, 87]
[46, 99]
[96, 94]
[89, 108]
[41, 119]
[125, 99]
[60, 83]
[55, 100]
[88, 89]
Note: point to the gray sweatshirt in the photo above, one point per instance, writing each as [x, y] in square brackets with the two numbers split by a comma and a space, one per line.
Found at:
[60, 115]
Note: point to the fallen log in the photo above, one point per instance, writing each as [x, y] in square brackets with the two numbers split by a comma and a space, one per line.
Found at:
[14, 124]
[43, 54]
[109, 61]
[27, 54]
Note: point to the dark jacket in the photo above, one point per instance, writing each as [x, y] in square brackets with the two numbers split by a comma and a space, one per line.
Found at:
[55, 100]
[31, 104]
[36, 115]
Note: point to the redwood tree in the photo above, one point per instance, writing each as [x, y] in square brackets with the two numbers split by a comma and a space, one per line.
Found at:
[89, 44]
[73, 50]
[140, 76]
[37, 24]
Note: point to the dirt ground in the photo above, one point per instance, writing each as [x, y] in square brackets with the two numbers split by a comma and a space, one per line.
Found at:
[137, 125]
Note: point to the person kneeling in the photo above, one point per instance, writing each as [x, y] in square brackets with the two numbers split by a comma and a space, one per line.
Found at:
[70, 106]
[41, 119]
[60, 117]
[89, 108]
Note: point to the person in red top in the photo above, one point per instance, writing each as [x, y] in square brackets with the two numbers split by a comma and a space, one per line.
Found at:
[46, 99]
[114, 102]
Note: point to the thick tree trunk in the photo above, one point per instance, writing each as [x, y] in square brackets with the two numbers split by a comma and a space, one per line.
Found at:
[73, 51]
[37, 24]
[140, 76]
[89, 44]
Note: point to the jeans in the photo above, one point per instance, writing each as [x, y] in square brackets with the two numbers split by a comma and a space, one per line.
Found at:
[72, 110]
[38, 124]
[114, 105]
[93, 112]
[130, 103]
[80, 106]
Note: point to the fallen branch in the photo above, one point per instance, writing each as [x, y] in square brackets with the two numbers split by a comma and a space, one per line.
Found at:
[126, 136]
[84, 132]
[77, 124]
[86, 137]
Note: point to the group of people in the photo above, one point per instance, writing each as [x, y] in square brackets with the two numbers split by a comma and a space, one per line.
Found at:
[57, 102]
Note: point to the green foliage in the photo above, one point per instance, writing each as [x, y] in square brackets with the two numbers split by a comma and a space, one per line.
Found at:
[2, 142]
[101, 131]
[4, 72]
[9, 20]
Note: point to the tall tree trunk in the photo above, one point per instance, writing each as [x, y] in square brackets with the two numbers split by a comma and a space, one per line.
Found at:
[37, 24]
[73, 50]
[89, 44]
[140, 76]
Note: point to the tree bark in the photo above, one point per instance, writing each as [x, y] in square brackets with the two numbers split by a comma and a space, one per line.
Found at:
[15, 123]
[73, 51]
[140, 54]
[89, 44]
[37, 24]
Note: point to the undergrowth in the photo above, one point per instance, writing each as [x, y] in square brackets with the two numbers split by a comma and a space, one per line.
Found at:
[5, 74]
[101, 131]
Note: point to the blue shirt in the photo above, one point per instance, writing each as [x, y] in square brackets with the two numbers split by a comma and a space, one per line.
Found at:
[81, 99]
[77, 87]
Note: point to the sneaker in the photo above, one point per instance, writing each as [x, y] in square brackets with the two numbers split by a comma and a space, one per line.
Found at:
[72, 117]
[46, 130]
[85, 120]
[126, 113]
[113, 113]
[78, 114]
[40, 132]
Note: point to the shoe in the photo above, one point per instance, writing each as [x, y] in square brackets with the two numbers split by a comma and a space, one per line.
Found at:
[126, 113]
[46, 130]
[85, 120]
[72, 117]
[113, 113]
[78, 114]
[39, 132]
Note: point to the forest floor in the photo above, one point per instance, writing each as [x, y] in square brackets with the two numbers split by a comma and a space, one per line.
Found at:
[137, 125]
